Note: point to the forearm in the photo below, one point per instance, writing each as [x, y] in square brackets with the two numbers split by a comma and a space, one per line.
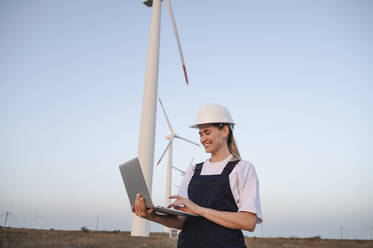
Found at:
[233, 220]
[168, 220]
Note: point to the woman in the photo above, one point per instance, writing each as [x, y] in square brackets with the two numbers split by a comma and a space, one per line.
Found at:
[223, 190]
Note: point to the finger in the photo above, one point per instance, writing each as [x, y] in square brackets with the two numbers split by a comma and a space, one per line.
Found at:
[140, 201]
[133, 209]
[176, 203]
[137, 202]
[149, 211]
[138, 196]
[184, 209]
[175, 197]
[139, 206]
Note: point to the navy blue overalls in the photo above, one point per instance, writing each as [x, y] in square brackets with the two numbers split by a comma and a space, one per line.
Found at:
[211, 191]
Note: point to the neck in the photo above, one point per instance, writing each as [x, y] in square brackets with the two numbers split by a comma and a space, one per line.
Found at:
[220, 154]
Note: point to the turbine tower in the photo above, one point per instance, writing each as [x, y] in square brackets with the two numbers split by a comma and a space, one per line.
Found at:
[7, 215]
[6, 218]
[168, 149]
[140, 227]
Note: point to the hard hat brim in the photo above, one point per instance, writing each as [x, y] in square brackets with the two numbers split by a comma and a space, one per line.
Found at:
[199, 124]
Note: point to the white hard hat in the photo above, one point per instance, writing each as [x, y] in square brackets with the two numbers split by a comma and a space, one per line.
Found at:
[212, 113]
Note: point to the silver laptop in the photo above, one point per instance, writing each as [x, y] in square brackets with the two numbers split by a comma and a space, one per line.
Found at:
[134, 182]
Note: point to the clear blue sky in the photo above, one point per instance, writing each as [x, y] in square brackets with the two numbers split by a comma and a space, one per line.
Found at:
[296, 75]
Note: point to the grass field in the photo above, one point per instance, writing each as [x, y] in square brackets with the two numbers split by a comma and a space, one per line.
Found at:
[31, 238]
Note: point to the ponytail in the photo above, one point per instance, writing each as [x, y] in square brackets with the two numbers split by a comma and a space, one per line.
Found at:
[232, 146]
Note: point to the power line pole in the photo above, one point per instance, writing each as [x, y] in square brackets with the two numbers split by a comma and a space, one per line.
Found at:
[341, 232]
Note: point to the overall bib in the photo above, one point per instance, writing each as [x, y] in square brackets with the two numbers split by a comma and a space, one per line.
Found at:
[211, 191]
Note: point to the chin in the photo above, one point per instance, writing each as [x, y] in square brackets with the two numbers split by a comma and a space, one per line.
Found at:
[208, 150]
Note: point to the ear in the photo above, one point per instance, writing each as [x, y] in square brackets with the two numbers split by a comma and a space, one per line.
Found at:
[225, 131]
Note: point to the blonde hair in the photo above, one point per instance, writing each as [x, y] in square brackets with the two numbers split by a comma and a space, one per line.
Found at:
[232, 146]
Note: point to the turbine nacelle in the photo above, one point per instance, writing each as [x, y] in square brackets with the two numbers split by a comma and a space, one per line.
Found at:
[148, 3]
[171, 136]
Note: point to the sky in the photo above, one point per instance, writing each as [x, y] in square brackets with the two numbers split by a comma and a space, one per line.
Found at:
[296, 76]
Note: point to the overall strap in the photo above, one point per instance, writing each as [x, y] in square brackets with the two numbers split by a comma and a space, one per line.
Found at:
[229, 167]
[197, 169]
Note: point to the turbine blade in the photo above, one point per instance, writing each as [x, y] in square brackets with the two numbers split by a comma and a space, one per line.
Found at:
[164, 112]
[165, 150]
[176, 136]
[177, 39]
[179, 170]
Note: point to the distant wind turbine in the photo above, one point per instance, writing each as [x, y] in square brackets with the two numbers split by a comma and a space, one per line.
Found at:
[7, 214]
[168, 149]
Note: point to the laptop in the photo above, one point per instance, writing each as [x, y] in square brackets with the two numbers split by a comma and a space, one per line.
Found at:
[134, 183]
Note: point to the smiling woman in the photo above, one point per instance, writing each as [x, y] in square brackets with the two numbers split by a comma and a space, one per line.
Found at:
[223, 190]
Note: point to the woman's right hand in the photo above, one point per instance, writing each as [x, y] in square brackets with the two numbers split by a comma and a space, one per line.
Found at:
[140, 208]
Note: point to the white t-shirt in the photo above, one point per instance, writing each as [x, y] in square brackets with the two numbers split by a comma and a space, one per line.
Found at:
[243, 181]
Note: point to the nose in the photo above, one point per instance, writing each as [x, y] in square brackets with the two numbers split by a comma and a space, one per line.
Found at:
[202, 139]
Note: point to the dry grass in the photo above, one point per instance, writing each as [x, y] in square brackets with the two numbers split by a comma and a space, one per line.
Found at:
[30, 238]
[306, 243]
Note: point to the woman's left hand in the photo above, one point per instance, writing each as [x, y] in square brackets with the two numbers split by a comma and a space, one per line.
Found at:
[189, 206]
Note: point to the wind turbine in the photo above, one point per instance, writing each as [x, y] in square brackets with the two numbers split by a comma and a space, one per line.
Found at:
[7, 214]
[140, 227]
[168, 149]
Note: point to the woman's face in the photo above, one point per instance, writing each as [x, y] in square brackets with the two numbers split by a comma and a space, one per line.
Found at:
[212, 138]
